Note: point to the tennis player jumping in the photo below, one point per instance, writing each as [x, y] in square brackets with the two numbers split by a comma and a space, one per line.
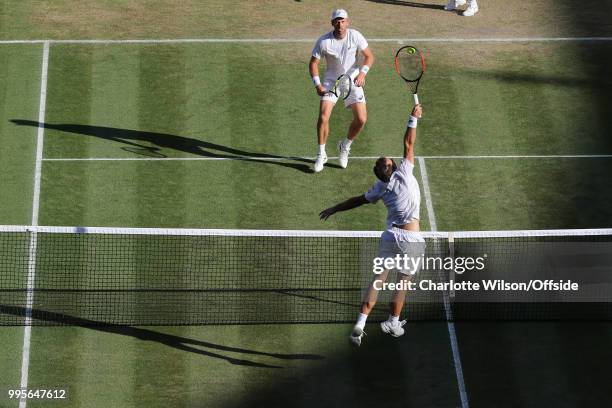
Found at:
[399, 190]
[340, 48]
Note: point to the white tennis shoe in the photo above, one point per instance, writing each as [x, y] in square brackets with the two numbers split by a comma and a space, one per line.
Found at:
[320, 162]
[395, 330]
[453, 4]
[356, 336]
[343, 153]
[471, 10]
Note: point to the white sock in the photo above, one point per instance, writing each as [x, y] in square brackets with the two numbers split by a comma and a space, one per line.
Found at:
[393, 319]
[347, 142]
[361, 320]
[322, 150]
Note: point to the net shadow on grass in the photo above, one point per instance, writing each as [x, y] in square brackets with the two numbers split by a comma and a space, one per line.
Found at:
[180, 343]
[415, 370]
[133, 139]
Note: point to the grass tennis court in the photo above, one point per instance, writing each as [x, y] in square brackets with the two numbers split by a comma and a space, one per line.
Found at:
[222, 135]
[125, 102]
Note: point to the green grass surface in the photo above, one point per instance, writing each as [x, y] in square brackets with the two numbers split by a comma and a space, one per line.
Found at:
[479, 194]
[121, 102]
[196, 196]
[202, 100]
[534, 363]
[19, 96]
[304, 364]
[11, 339]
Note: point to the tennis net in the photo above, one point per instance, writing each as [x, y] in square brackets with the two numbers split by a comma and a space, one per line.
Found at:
[140, 276]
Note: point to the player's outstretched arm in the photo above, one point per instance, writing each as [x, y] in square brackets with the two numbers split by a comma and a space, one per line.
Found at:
[410, 135]
[349, 204]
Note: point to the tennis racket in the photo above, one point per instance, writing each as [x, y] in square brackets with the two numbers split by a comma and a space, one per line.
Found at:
[410, 65]
[342, 87]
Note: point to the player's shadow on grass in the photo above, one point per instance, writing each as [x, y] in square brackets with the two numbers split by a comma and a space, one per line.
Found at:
[133, 139]
[410, 4]
[531, 78]
[180, 343]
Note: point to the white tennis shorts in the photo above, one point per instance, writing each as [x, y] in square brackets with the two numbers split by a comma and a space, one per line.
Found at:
[357, 95]
[396, 241]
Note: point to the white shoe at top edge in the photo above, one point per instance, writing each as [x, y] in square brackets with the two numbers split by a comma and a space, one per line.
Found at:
[471, 10]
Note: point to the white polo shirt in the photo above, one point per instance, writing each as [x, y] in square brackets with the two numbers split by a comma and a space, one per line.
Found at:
[340, 55]
[401, 195]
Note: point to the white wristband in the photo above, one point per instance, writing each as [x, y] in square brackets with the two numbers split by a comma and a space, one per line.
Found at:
[365, 69]
[412, 122]
[316, 80]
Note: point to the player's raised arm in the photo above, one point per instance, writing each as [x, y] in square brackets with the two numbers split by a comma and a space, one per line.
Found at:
[410, 135]
[349, 204]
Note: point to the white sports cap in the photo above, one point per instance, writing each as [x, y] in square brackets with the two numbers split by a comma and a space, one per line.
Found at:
[340, 13]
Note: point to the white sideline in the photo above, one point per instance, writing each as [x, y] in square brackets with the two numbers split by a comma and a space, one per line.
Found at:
[27, 332]
[428, 202]
[447, 306]
[301, 40]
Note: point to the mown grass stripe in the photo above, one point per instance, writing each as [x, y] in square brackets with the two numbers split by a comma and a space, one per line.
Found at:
[306, 40]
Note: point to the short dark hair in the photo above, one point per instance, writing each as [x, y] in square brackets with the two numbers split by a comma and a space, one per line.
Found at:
[384, 176]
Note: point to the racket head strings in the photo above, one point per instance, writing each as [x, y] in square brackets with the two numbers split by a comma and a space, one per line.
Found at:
[409, 63]
[342, 87]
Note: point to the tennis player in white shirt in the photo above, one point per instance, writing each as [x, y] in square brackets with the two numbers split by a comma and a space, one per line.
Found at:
[340, 49]
[399, 190]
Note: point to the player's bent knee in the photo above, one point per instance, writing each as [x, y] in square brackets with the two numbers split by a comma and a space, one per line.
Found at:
[360, 120]
[324, 115]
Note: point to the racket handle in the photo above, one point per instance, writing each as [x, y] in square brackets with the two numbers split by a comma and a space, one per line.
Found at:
[416, 99]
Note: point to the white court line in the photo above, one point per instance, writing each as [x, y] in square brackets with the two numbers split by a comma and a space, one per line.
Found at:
[27, 333]
[40, 134]
[9, 42]
[183, 158]
[282, 158]
[303, 40]
[524, 156]
[428, 202]
[447, 307]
